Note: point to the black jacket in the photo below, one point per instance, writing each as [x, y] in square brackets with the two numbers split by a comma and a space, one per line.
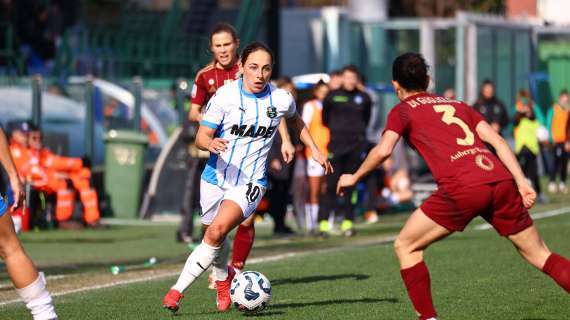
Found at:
[346, 114]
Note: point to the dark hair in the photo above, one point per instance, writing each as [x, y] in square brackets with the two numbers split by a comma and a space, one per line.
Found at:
[487, 82]
[252, 47]
[563, 92]
[410, 70]
[223, 27]
[335, 72]
[351, 68]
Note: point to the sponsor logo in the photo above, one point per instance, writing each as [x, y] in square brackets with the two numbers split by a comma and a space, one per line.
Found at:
[340, 99]
[251, 131]
[358, 99]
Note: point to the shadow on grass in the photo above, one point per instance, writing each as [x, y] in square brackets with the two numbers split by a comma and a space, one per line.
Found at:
[331, 302]
[311, 279]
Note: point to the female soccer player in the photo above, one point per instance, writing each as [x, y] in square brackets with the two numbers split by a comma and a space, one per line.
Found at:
[472, 182]
[30, 285]
[224, 68]
[238, 128]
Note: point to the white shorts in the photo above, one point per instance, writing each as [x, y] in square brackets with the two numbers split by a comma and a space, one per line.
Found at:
[314, 169]
[246, 196]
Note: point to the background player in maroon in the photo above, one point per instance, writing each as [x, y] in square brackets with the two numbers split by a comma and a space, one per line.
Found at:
[450, 136]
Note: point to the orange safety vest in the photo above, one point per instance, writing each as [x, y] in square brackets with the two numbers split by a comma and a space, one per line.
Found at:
[317, 129]
[559, 124]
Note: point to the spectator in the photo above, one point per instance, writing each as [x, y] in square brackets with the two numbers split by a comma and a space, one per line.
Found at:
[335, 80]
[526, 126]
[558, 119]
[449, 93]
[279, 173]
[346, 112]
[312, 115]
[491, 108]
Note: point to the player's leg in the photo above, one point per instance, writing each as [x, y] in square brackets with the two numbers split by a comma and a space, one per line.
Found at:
[417, 234]
[328, 199]
[29, 284]
[533, 249]
[243, 242]
[315, 174]
[511, 219]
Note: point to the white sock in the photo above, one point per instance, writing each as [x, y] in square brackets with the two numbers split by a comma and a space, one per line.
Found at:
[331, 220]
[308, 224]
[314, 215]
[220, 263]
[199, 261]
[38, 299]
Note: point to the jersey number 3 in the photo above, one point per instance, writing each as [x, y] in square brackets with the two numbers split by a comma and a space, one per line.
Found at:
[450, 118]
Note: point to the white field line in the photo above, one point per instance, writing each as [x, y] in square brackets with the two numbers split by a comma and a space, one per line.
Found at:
[54, 277]
[172, 274]
[535, 216]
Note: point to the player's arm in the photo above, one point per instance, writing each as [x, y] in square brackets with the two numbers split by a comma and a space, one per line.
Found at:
[8, 164]
[296, 123]
[375, 157]
[287, 147]
[205, 140]
[490, 136]
[195, 114]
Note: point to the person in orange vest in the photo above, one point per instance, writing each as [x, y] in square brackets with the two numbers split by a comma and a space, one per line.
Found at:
[558, 119]
[312, 116]
[58, 169]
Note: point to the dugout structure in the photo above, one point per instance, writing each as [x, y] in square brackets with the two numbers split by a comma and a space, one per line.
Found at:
[462, 51]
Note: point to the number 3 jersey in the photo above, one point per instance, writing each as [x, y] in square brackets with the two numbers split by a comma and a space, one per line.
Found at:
[249, 122]
[443, 132]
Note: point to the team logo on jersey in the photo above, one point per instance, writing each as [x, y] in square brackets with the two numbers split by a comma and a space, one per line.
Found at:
[211, 82]
[484, 163]
[271, 112]
[358, 99]
[227, 81]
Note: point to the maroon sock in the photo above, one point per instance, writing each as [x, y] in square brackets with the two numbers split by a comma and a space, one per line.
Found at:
[243, 242]
[418, 283]
[558, 268]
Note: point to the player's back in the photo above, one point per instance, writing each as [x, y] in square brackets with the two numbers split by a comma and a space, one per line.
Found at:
[444, 133]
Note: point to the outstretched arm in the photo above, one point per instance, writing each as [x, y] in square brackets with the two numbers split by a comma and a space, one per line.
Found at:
[487, 134]
[298, 126]
[8, 164]
[376, 156]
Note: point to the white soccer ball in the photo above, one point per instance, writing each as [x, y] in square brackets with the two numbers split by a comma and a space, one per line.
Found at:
[250, 291]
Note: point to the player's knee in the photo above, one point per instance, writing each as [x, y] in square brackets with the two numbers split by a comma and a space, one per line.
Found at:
[214, 235]
[401, 247]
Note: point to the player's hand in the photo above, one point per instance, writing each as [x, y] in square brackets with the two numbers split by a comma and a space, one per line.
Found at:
[567, 146]
[528, 195]
[18, 192]
[218, 145]
[323, 161]
[287, 151]
[345, 181]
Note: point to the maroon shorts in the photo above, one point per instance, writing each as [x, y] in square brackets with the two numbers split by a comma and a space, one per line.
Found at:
[499, 203]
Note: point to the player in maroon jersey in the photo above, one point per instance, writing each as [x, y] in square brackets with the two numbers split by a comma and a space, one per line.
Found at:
[471, 181]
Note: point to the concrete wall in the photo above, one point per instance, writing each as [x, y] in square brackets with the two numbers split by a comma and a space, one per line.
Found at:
[298, 53]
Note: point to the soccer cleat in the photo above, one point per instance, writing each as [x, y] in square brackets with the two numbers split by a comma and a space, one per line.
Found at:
[171, 300]
[562, 188]
[223, 300]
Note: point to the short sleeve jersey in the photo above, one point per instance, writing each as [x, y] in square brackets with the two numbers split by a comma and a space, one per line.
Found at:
[208, 80]
[249, 122]
[444, 132]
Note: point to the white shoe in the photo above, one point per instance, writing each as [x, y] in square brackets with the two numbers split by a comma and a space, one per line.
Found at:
[562, 188]
[552, 187]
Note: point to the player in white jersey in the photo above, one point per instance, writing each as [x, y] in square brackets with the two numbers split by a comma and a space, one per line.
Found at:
[238, 127]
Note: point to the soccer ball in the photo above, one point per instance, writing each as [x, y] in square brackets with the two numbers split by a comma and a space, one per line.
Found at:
[250, 291]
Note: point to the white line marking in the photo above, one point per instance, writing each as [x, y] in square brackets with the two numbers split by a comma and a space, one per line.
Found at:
[534, 216]
[172, 274]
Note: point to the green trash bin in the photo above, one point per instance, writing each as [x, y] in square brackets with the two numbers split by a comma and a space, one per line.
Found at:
[124, 171]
